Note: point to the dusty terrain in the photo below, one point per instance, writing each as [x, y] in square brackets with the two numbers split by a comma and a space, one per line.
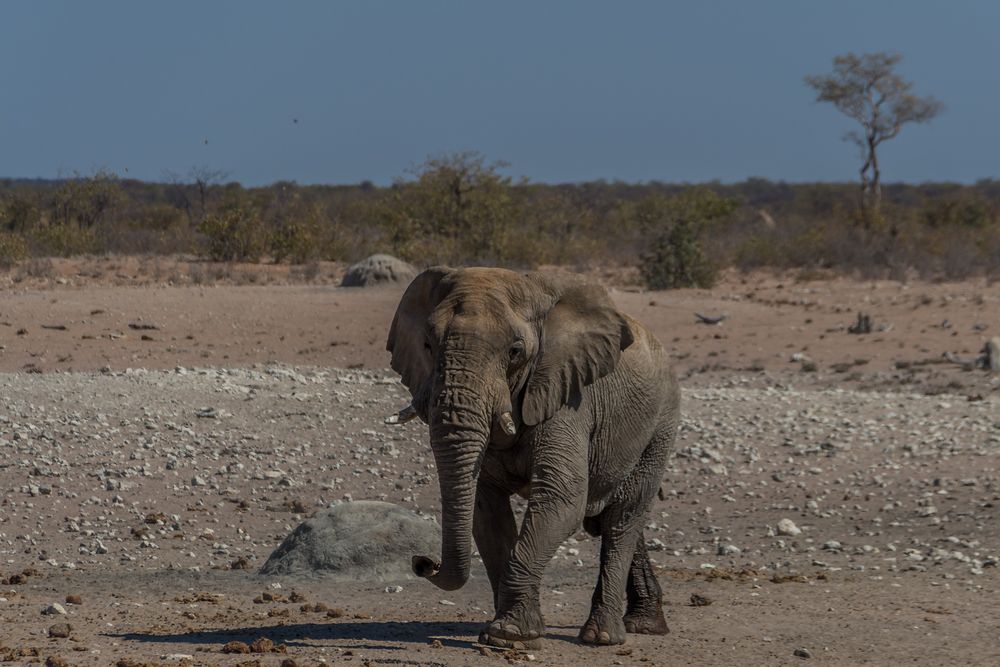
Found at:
[160, 436]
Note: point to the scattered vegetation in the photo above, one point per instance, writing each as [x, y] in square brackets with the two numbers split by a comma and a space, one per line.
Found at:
[462, 209]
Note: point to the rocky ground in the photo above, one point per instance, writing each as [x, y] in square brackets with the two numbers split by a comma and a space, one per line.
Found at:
[814, 512]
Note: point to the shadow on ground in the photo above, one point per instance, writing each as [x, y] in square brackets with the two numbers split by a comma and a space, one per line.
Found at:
[295, 634]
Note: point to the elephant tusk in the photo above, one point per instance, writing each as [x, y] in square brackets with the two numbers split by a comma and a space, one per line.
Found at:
[507, 424]
[403, 416]
[424, 567]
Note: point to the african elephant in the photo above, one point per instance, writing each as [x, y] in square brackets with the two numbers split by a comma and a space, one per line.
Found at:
[536, 384]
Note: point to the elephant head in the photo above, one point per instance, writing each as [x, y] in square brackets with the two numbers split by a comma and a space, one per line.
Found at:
[485, 354]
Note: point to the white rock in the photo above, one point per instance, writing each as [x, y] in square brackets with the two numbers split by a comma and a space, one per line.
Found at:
[788, 527]
[53, 609]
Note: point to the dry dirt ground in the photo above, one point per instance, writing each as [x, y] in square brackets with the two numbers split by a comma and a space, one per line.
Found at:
[158, 440]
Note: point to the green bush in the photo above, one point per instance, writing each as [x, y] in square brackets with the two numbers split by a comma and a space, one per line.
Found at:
[298, 242]
[63, 241]
[13, 249]
[234, 235]
[674, 228]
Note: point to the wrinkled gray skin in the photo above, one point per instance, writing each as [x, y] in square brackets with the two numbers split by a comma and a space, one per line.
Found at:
[535, 384]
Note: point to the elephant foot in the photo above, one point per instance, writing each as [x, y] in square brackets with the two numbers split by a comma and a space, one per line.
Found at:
[504, 634]
[646, 619]
[603, 629]
[520, 628]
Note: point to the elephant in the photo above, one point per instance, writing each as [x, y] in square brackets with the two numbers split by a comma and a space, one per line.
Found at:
[535, 384]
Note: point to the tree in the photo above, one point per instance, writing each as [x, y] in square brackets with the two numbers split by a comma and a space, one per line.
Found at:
[86, 200]
[457, 208]
[867, 89]
[199, 183]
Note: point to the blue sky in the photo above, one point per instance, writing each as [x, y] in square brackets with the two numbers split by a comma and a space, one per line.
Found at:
[562, 90]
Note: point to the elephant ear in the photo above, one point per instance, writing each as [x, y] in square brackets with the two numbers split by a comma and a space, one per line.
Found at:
[407, 335]
[581, 340]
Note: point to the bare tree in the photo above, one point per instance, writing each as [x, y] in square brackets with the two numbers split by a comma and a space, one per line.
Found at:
[865, 88]
[204, 178]
[182, 191]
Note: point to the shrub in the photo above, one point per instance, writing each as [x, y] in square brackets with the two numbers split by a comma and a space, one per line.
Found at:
[675, 257]
[62, 241]
[234, 234]
[298, 242]
[13, 249]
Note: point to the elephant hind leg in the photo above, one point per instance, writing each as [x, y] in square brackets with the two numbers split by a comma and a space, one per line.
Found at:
[644, 614]
[625, 568]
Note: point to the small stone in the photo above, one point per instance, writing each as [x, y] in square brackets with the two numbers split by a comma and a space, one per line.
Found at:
[54, 608]
[74, 599]
[393, 589]
[700, 600]
[802, 653]
[728, 550]
[262, 645]
[236, 647]
[60, 630]
[56, 661]
[787, 527]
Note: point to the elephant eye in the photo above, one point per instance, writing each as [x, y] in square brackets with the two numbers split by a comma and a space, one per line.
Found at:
[516, 350]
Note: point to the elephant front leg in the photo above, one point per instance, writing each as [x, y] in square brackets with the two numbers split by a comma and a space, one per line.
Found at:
[494, 530]
[555, 510]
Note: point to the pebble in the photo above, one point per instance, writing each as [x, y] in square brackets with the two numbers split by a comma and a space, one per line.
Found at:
[788, 528]
[60, 630]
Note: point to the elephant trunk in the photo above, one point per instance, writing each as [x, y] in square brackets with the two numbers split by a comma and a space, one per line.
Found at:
[460, 427]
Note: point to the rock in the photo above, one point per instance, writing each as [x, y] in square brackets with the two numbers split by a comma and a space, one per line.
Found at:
[236, 647]
[863, 325]
[262, 645]
[60, 630]
[728, 550]
[56, 661]
[379, 270]
[53, 609]
[991, 352]
[700, 600]
[359, 541]
[802, 653]
[74, 599]
[788, 527]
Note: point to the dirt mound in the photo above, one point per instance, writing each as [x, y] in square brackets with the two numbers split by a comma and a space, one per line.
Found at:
[362, 541]
[379, 270]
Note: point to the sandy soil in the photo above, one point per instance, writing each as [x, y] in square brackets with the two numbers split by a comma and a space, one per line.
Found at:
[159, 440]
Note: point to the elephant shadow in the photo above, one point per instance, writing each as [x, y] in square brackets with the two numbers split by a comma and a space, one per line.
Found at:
[297, 634]
[390, 635]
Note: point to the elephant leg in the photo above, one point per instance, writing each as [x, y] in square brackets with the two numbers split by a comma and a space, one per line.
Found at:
[644, 613]
[624, 562]
[555, 510]
[619, 533]
[495, 531]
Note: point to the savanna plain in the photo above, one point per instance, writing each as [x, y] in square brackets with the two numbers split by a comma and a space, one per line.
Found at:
[834, 497]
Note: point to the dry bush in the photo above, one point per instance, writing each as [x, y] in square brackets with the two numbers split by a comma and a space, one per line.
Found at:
[13, 249]
[41, 268]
